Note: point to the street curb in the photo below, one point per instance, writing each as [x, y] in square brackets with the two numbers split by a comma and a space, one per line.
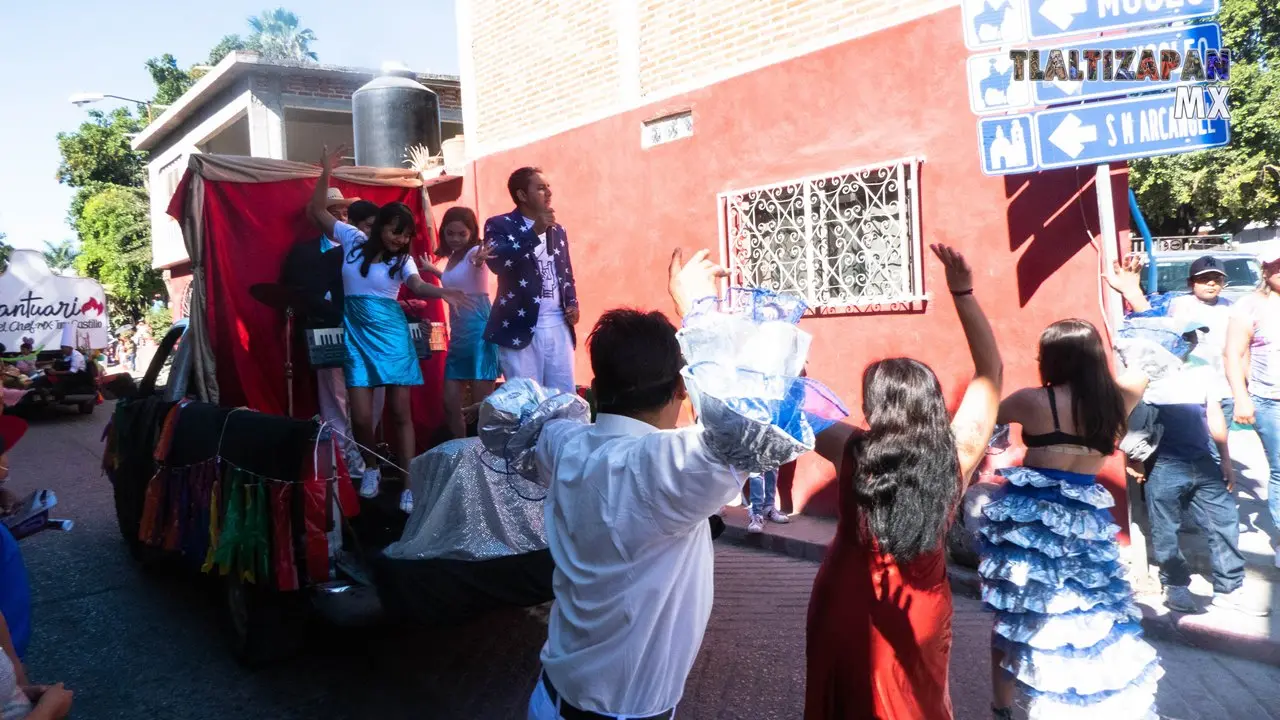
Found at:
[965, 581]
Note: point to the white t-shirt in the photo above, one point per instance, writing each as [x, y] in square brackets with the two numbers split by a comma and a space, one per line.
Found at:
[76, 361]
[380, 282]
[465, 276]
[550, 314]
[1211, 345]
[14, 704]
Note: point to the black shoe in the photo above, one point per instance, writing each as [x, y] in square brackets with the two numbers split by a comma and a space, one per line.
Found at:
[1002, 713]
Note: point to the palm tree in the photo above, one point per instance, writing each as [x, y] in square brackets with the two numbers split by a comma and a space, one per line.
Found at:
[277, 36]
[61, 256]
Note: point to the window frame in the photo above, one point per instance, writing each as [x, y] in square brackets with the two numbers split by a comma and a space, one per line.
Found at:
[907, 169]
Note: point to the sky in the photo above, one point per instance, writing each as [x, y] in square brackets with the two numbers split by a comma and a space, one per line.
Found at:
[52, 50]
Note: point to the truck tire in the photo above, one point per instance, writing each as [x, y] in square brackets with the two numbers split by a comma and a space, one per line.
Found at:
[263, 626]
[86, 407]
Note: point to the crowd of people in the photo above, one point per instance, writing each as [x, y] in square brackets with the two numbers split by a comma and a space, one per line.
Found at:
[353, 276]
[629, 494]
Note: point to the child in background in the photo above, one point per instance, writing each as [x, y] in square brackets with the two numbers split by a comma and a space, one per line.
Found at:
[759, 496]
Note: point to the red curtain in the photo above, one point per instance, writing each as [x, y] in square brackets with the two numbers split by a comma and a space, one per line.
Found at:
[249, 228]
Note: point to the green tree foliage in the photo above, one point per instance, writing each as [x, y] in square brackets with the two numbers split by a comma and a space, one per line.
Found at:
[277, 35]
[171, 81]
[5, 251]
[1228, 188]
[99, 151]
[227, 45]
[115, 248]
[61, 256]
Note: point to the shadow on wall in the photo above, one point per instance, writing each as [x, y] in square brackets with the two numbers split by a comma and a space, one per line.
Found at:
[1055, 218]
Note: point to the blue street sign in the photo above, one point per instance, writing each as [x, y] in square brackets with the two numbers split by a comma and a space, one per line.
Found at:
[1061, 18]
[993, 23]
[1191, 37]
[992, 87]
[1006, 143]
[1122, 130]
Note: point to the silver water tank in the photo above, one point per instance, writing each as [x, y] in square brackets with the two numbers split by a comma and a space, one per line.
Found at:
[391, 114]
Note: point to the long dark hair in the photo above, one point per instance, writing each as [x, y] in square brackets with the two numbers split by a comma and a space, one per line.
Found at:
[907, 481]
[399, 218]
[1072, 354]
[463, 215]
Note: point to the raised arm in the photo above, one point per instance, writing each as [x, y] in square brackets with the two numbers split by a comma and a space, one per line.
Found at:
[688, 282]
[1235, 358]
[976, 417]
[316, 209]
[424, 289]
[1126, 279]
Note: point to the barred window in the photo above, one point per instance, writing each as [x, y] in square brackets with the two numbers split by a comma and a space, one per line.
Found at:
[845, 242]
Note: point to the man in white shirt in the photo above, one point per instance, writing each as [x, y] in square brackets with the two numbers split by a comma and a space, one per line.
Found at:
[626, 518]
[73, 357]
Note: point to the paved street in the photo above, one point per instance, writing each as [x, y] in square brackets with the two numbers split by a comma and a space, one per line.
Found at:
[133, 647]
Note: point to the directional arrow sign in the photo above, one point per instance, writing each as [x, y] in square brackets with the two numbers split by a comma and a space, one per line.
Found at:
[1194, 37]
[1121, 130]
[1062, 18]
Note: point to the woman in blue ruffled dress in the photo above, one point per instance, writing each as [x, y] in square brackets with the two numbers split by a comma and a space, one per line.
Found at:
[1067, 630]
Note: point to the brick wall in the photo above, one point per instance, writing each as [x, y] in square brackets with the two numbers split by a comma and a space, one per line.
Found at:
[341, 88]
[540, 66]
[539, 63]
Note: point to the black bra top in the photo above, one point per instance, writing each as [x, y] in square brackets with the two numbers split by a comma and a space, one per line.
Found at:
[1057, 437]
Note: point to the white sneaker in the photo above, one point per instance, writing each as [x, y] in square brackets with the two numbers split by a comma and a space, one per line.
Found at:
[776, 516]
[1243, 602]
[755, 524]
[1179, 598]
[369, 483]
[406, 502]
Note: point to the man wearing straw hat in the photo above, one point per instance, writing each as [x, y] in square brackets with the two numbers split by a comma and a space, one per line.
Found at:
[314, 268]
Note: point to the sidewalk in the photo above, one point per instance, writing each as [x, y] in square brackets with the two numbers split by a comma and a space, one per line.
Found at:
[1217, 630]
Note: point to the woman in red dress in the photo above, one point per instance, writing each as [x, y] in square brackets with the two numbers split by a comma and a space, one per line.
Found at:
[879, 631]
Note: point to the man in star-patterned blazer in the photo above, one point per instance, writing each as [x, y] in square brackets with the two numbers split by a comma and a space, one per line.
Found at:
[537, 303]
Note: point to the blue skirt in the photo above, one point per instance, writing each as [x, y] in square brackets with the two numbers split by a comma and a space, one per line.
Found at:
[379, 348]
[1065, 616]
[470, 356]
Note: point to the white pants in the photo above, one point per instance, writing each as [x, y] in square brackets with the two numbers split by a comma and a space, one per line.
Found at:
[331, 386]
[541, 707]
[547, 361]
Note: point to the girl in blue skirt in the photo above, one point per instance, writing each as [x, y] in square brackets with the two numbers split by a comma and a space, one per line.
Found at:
[471, 359]
[380, 351]
[1067, 630]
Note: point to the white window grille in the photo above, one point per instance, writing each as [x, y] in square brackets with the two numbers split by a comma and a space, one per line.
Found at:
[845, 242]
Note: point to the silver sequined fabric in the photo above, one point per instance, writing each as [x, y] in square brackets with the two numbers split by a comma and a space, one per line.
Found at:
[511, 419]
[466, 510]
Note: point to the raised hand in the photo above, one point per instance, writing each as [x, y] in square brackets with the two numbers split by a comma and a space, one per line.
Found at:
[693, 280]
[330, 160]
[484, 253]
[959, 275]
[1126, 276]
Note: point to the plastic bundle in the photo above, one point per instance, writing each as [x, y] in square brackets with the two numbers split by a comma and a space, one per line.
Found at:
[511, 420]
[744, 355]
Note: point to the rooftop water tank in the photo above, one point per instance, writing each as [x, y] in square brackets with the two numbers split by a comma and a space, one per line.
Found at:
[391, 114]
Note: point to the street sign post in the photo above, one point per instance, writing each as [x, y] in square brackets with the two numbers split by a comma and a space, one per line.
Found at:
[1134, 127]
[1182, 39]
[1064, 18]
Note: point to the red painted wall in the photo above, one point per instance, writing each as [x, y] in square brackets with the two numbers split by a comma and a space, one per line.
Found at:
[858, 103]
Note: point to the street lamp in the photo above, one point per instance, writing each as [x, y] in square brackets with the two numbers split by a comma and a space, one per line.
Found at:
[81, 99]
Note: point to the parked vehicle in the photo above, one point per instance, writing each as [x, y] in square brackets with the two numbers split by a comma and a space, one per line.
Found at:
[1244, 272]
[264, 621]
